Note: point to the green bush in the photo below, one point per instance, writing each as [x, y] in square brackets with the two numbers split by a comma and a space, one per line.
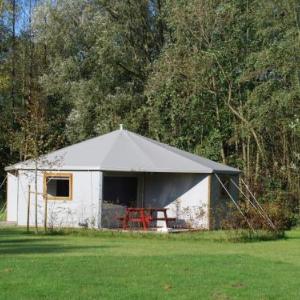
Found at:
[269, 221]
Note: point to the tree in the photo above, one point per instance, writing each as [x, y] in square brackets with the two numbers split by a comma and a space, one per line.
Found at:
[217, 78]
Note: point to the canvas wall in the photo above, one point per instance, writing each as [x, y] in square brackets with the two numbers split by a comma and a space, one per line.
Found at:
[83, 209]
[12, 196]
[185, 196]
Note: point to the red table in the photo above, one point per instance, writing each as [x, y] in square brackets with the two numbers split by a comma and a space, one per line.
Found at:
[144, 216]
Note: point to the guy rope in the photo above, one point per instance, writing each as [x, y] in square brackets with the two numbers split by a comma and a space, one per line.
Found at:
[255, 204]
[235, 203]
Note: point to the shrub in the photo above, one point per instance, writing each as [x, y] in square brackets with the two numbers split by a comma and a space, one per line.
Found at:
[274, 216]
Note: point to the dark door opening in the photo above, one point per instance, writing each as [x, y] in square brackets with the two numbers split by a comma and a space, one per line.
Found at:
[120, 190]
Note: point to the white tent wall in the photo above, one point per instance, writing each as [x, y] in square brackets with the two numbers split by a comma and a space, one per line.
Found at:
[185, 196]
[12, 197]
[83, 208]
[195, 200]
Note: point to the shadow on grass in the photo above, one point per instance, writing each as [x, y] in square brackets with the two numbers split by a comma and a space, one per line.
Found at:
[10, 231]
[23, 240]
[293, 238]
[18, 248]
[17, 241]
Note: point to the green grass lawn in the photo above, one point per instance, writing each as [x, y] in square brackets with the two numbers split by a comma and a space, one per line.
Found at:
[107, 266]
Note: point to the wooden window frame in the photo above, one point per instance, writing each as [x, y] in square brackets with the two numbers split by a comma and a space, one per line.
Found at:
[69, 175]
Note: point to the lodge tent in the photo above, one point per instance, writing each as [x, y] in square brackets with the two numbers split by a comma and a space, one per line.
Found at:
[91, 182]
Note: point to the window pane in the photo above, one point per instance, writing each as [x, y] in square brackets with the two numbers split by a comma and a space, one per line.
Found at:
[58, 186]
[51, 187]
[62, 188]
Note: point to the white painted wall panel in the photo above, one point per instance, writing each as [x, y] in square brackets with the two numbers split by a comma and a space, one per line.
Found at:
[185, 196]
[12, 199]
[82, 209]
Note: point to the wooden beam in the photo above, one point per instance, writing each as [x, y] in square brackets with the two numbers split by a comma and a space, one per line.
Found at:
[28, 208]
[209, 207]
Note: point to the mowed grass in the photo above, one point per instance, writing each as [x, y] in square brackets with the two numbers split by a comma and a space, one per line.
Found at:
[128, 266]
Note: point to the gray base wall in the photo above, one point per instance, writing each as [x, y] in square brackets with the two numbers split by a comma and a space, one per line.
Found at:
[110, 215]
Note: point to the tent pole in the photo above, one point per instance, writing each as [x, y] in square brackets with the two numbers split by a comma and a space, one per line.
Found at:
[100, 200]
[46, 212]
[18, 192]
[28, 208]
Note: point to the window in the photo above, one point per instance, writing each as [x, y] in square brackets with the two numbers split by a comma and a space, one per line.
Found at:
[58, 186]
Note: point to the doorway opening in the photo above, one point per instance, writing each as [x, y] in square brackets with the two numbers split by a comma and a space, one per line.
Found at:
[120, 190]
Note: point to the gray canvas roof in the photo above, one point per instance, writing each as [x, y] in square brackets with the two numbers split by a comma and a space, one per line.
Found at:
[122, 150]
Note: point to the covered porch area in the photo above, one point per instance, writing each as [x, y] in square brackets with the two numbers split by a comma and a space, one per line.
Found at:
[182, 198]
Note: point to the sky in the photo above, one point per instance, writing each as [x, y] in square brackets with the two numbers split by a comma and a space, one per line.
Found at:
[22, 15]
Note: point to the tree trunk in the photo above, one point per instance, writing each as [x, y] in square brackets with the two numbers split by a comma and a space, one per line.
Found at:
[13, 70]
[30, 55]
[160, 24]
[248, 159]
[36, 197]
[244, 120]
[222, 151]
[256, 169]
[45, 196]
[28, 209]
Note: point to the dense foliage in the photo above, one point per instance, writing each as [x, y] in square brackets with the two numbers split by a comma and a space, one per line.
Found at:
[219, 78]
